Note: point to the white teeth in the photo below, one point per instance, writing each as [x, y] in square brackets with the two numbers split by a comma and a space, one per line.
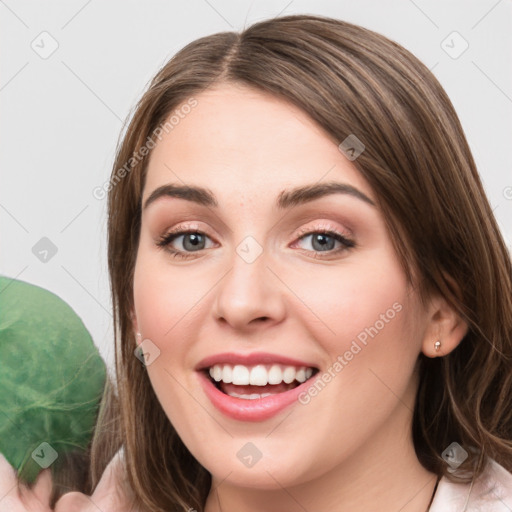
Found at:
[259, 375]
[289, 374]
[254, 396]
[240, 375]
[217, 373]
[275, 375]
[227, 374]
[301, 375]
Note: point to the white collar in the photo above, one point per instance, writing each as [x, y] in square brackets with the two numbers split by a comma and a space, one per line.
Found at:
[491, 492]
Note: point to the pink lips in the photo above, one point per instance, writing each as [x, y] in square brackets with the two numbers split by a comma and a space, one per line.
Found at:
[242, 409]
[250, 410]
[250, 360]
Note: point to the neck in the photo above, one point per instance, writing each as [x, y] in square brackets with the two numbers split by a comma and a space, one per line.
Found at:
[408, 491]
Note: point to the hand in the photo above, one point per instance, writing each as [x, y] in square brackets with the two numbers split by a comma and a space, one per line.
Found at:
[111, 493]
[23, 499]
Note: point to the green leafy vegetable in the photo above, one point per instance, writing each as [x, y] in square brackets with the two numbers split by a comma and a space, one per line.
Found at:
[51, 378]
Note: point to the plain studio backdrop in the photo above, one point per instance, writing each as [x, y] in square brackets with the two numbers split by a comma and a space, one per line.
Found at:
[72, 71]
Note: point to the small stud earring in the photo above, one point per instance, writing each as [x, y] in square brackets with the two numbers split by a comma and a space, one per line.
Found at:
[139, 338]
[437, 345]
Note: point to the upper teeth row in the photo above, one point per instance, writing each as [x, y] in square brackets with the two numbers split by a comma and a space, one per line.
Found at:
[259, 375]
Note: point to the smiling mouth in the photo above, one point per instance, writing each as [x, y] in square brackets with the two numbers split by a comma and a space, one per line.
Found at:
[258, 381]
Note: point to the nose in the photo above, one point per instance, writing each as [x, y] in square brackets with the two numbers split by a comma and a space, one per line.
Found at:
[250, 294]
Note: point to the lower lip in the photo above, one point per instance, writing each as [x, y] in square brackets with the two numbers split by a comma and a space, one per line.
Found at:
[259, 409]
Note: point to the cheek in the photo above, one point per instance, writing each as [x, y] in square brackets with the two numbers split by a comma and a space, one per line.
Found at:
[156, 301]
[372, 354]
[367, 322]
[164, 297]
[164, 305]
[354, 301]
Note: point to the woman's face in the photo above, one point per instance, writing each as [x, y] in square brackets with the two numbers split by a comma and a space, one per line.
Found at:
[275, 285]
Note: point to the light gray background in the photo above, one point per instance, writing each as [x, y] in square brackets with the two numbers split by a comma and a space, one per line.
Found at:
[61, 115]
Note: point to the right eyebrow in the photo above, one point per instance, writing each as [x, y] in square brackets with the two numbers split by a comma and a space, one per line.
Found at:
[195, 194]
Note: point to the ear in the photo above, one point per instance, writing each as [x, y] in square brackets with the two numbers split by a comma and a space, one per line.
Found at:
[444, 326]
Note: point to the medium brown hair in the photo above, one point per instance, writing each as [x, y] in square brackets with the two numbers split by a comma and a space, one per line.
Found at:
[349, 80]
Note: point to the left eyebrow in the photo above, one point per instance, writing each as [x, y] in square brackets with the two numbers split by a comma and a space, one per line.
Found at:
[286, 198]
[305, 194]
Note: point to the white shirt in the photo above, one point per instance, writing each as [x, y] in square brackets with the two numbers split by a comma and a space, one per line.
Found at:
[491, 492]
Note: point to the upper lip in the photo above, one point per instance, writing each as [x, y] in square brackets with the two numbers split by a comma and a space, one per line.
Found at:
[250, 360]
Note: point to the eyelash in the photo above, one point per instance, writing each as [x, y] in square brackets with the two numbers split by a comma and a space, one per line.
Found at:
[165, 241]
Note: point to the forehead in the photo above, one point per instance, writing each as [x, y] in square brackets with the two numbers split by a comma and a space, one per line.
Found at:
[238, 140]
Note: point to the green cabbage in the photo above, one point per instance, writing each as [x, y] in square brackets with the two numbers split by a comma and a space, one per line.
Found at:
[51, 378]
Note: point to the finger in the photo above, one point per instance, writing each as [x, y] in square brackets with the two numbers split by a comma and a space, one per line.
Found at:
[43, 486]
[103, 495]
[107, 480]
[8, 477]
[113, 490]
[113, 476]
[38, 493]
[11, 488]
[9, 500]
[103, 498]
[74, 502]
